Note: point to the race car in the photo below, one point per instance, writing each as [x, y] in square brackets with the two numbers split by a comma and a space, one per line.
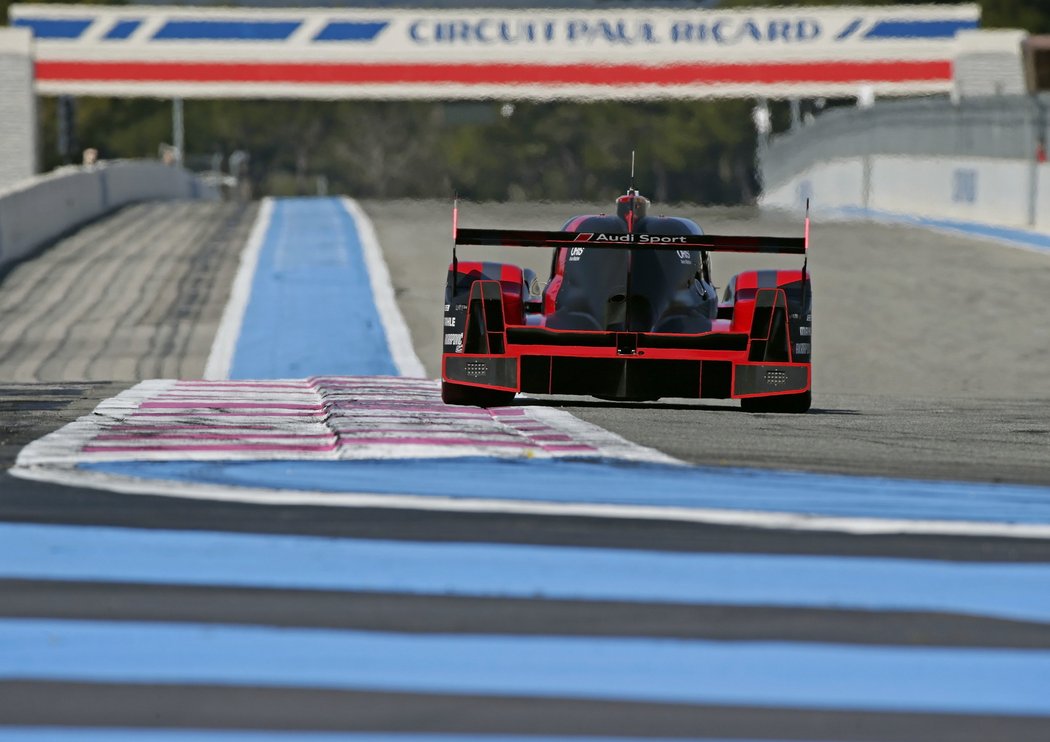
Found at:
[629, 313]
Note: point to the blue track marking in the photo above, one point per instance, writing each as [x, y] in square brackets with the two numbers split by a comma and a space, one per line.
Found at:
[1013, 591]
[65, 734]
[1016, 236]
[311, 310]
[829, 676]
[612, 483]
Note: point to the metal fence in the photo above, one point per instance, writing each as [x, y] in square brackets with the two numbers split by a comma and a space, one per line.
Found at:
[1001, 127]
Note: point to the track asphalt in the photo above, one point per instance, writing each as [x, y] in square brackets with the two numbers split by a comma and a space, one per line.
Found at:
[931, 364]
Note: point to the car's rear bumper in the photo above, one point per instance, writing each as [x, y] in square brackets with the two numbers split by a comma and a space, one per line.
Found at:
[644, 374]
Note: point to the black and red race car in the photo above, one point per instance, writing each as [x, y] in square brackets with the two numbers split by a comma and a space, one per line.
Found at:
[629, 313]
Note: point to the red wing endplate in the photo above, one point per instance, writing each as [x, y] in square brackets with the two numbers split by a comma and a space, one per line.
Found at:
[708, 242]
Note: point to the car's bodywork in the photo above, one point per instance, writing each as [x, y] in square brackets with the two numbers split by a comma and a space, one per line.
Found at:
[629, 312]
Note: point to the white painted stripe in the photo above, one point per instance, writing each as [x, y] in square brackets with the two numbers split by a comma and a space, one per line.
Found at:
[712, 516]
[220, 359]
[397, 335]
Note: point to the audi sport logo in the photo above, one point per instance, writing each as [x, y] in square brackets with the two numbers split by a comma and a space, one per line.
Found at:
[642, 239]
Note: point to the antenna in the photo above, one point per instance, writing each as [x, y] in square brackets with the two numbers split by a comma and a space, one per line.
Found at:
[805, 259]
[630, 189]
[455, 231]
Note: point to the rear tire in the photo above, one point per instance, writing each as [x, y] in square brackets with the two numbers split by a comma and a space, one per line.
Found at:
[783, 403]
[461, 394]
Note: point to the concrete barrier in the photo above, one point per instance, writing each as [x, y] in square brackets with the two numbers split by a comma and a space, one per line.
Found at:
[43, 208]
[985, 190]
[18, 117]
[828, 185]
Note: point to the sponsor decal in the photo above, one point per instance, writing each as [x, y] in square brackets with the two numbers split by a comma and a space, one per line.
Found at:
[450, 321]
[805, 330]
[454, 338]
[575, 254]
[639, 239]
[802, 349]
[659, 239]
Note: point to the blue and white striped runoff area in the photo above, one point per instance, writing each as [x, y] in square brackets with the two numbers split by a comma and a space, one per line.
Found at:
[314, 298]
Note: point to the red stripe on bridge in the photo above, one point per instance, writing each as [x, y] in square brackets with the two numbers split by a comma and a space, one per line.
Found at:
[617, 75]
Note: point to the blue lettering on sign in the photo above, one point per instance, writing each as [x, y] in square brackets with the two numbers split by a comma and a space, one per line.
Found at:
[494, 31]
[728, 32]
[484, 31]
[964, 186]
[55, 28]
[613, 32]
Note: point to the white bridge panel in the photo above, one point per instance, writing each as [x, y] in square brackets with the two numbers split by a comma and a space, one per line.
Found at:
[447, 53]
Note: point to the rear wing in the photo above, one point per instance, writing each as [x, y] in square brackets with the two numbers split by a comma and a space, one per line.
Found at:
[707, 242]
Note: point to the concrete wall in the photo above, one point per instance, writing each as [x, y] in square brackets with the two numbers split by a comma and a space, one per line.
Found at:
[835, 184]
[41, 209]
[976, 189]
[18, 143]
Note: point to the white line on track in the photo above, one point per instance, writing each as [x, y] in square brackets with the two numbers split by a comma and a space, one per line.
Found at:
[220, 359]
[398, 337]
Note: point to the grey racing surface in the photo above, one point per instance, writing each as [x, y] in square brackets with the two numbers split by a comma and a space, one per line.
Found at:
[137, 295]
[930, 363]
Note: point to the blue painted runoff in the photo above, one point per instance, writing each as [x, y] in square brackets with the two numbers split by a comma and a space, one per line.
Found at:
[783, 674]
[81, 553]
[621, 483]
[311, 310]
[67, 734]
[1023, 237]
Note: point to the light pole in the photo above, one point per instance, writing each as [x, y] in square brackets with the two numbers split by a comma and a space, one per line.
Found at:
[178, 129]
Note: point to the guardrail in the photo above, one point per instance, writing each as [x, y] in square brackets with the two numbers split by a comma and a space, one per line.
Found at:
[43, 208]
